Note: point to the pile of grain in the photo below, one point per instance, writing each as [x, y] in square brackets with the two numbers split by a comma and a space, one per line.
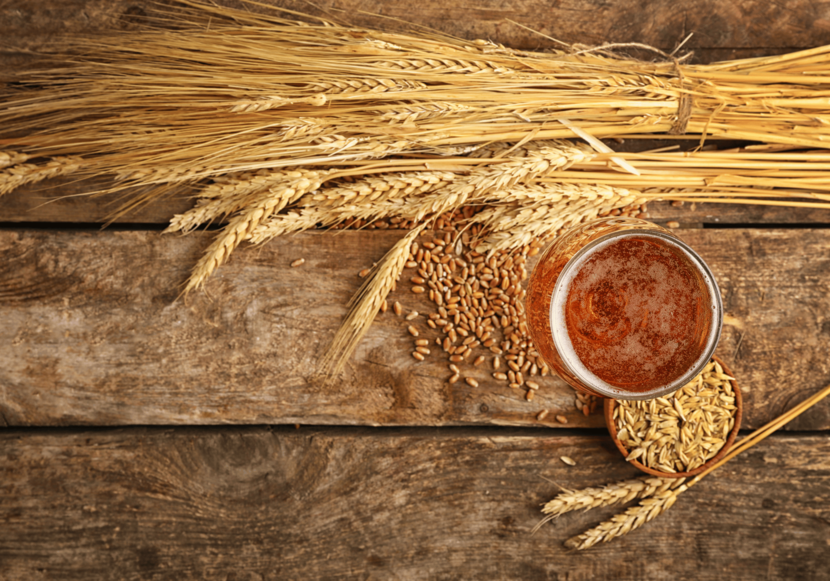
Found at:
[477, 320]
[683, 430]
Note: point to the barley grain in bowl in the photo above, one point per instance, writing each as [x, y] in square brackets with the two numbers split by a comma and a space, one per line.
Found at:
[681, 433]
[623, 308]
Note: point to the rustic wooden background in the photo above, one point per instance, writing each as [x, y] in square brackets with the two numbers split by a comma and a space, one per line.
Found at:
[145, 437]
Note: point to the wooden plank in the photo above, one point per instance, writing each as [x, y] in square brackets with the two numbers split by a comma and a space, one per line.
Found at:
[103, 342]
[711, 214]
[94, 335]
[661, 23]
[353, 504]
[67, 203]
[758, 28]
[63, 201]
[52, 206]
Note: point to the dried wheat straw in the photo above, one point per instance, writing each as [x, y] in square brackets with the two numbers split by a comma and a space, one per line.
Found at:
[625, 522]
[365, 304]
[383, 94]
[651, 507]
[294, 184]
[620, 492]
[15, 176]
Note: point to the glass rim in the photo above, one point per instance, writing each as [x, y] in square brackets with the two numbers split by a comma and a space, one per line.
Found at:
[712, 340]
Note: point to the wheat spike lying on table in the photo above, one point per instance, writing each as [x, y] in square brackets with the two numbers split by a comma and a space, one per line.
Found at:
[631, 519]
[663, 500]
[620, 492]
[274, 198]
[365, 304]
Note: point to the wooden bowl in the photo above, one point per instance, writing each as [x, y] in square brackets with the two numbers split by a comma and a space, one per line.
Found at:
[610, 404]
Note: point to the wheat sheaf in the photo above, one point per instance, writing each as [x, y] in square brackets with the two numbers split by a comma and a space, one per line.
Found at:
[284, 124]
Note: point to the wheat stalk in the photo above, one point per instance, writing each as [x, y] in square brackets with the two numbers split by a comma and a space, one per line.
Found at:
[291, 222]
[538, 210]
[369, 198]
[226, 195]
[625, 522]
[620, 492]
[412, 195]
[368, 85]
[28, 173]
[292, 186]
[366, 303]
[408, 115]
[378, 188]
[649, 508]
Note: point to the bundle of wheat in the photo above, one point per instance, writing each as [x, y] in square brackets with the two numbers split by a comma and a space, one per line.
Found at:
[282, 125]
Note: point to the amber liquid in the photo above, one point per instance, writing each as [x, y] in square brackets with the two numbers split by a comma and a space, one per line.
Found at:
[616, 312]
[637, 312]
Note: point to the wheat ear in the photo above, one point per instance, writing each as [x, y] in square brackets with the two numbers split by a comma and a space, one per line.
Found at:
[9, 158]
[520, 165]
[227, 194]
[275, 198]
[526, 212]
[365, 304]
[29, 173]
[627, 521]
[620, 492]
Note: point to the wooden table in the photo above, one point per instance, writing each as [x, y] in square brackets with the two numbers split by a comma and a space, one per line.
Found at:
[146, 437]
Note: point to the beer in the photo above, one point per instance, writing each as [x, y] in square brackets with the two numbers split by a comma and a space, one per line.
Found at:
[623, 308]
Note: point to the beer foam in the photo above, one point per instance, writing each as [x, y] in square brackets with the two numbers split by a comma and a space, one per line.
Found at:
[628, 346]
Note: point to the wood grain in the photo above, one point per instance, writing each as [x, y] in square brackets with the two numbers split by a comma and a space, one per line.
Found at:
[95, 335]
[746, 25]
[60, 202]
[414, 504]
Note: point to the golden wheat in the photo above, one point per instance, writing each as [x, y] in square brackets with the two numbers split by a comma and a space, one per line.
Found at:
[620, 492]
[15, 176]
[371, 94]
[625, 522]
[293, 185]
[9, 158]
[366, 303]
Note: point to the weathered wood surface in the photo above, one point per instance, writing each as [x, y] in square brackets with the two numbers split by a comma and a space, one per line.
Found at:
[721, 29]
[356, 504]
[94, 337]
[93, 333]
[66, 202]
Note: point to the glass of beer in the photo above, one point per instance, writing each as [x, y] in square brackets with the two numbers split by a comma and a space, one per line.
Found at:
[622, 308]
